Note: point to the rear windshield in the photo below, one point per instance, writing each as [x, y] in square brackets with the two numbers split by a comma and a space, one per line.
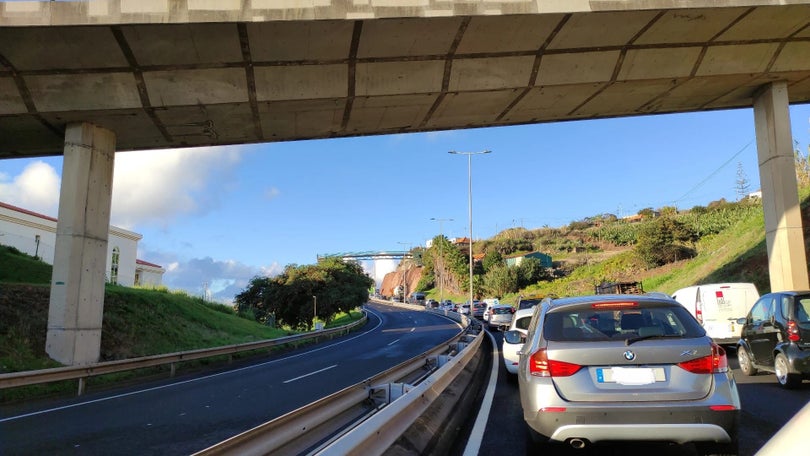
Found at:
[502, 310]
[528, 303]
[585, 323]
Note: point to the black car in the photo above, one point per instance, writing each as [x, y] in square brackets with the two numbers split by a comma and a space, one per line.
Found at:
[776, 337]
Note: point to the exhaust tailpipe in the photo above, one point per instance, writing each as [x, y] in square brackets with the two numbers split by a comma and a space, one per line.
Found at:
[578, 443]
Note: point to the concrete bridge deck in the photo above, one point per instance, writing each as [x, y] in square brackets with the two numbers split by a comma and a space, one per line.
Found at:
[172, 73]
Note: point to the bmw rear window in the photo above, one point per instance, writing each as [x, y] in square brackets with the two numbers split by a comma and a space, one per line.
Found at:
[589, 323]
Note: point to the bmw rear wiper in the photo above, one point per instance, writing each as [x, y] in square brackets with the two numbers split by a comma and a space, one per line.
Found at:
[633, 340]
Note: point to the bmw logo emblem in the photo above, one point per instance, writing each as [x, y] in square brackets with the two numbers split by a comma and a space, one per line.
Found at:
[629, 355]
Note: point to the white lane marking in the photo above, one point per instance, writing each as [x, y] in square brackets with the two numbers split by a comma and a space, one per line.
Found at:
[392, 343]
[311, 373]
[132, 393]
[413, 329]
[477, 434]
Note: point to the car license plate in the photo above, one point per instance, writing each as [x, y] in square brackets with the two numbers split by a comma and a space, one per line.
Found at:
[630, 375]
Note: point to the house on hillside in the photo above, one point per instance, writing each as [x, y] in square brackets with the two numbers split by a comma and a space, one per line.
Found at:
[35, 235]
[545, 260]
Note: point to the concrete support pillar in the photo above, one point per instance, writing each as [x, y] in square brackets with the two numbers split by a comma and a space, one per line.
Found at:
[80, 259]
[780, 195]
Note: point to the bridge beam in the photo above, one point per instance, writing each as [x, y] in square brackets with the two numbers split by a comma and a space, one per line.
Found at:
[787, 261]
[80, 258]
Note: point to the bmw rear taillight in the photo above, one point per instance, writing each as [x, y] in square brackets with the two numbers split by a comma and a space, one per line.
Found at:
[715, 363]
[541, 366]
[793, 331]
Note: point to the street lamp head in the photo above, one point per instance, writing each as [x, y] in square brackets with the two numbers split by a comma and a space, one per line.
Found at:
[455, 152]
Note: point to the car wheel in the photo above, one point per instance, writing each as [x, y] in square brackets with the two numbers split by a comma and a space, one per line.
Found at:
[746, 365]
[718, 449]
[781, 368]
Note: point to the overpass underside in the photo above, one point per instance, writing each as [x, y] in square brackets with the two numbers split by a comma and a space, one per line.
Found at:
[87, 78]
[170, 73]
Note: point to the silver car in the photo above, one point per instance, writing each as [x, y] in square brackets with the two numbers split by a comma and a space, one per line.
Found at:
[625, 368]
[499, 316]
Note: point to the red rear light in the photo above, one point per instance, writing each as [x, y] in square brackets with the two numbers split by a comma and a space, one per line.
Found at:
[614, 305]
[552, 409]
[717, 362]
[699, 312]
[541, 366]
[722, 408]
[793, 331]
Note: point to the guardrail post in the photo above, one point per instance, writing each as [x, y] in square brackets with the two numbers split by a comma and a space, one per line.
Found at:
[172, 369]
[82, 385]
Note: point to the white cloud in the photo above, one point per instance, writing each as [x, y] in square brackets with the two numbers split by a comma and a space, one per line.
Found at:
[223, 279]
[271, 193]
[160, 185]
[35, 189]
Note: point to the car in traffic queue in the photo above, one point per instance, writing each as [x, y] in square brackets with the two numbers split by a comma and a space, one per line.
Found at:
[463, 309]
[513, 338]
[775, 337]
[499, 316]
[604, 368]
[478, 309]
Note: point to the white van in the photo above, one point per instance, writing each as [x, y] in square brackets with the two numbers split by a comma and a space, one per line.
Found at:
[718, 306]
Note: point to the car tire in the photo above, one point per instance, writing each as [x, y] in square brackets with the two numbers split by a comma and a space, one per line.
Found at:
[781, 368]
[718, 449]
[746, 364]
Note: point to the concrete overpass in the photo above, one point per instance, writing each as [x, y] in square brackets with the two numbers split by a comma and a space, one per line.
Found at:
[87, 78]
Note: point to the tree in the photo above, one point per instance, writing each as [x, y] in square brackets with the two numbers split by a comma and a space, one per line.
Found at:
[741, 186]
[802, 165]
[491, 259]
[530, 271]
[647, 213]
[660, 242]
[290, 297]
[500, 280]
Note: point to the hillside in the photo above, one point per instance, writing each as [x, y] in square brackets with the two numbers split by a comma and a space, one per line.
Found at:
[731, 249]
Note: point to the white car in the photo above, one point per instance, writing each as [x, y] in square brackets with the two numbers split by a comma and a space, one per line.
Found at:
[520, 322]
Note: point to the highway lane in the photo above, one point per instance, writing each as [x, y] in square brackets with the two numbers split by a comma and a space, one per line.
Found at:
[766, 407]
[180, 417]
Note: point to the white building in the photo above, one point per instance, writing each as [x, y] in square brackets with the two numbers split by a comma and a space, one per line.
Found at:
[35, 234]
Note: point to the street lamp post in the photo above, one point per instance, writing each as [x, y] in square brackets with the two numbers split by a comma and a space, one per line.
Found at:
[469, 207]
[441, 277]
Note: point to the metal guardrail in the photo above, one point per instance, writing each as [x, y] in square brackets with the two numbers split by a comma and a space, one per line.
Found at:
[82, 373]
[365, 418]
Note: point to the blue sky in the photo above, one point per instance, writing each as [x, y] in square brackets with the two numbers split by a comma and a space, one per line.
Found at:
[223, 215]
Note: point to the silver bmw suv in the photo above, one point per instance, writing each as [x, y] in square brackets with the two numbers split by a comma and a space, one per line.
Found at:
[625, 368]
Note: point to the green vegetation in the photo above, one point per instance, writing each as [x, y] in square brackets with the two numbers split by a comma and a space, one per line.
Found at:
[137, 322]
[665, 249]
[21, 268]
[326, 289]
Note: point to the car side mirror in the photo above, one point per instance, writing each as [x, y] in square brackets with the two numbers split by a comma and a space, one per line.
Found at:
[742, 321]
[514, 337]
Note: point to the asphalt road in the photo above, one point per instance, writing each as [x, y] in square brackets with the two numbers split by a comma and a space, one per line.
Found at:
[182, 416]
[766, 407]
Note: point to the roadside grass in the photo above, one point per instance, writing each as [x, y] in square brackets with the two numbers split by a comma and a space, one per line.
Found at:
[136, 323]
[21, 268]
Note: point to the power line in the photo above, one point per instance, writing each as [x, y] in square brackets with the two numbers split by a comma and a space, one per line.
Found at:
[700, 184]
